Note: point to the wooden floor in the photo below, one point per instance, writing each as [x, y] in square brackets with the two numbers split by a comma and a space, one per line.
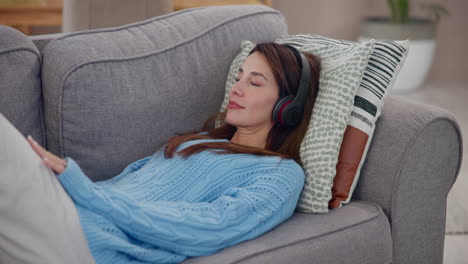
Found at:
[454, 98]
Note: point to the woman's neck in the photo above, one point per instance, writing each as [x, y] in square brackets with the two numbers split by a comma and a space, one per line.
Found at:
[252, 137]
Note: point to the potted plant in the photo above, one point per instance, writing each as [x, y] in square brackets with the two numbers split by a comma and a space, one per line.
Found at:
[401, 26]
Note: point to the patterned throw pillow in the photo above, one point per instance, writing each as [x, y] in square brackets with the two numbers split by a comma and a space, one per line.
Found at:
[385, 61]
[342, 69]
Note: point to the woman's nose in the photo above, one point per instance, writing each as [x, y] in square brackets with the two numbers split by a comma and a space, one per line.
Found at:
[237, 89]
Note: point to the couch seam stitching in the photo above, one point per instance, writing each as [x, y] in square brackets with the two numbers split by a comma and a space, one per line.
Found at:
[186, 41]
[122, 27]
[13, 49]
[143, 23]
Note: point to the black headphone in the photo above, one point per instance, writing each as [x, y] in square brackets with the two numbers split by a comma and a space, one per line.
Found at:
[289, 109]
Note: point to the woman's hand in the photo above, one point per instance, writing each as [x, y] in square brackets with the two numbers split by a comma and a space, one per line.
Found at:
[53, 162]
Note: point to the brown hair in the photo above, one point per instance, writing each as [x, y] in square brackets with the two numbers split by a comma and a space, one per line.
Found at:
[281, 141]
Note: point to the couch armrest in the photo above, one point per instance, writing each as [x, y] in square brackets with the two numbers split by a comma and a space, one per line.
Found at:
[412, 163]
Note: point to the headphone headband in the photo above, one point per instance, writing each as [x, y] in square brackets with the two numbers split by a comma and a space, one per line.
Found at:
[304, 84]
[288, 110]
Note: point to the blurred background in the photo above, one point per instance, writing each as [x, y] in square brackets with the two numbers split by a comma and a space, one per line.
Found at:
[439, 57]
[333, 18]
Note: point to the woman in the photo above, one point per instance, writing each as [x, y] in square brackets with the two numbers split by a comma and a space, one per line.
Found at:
[207, 190]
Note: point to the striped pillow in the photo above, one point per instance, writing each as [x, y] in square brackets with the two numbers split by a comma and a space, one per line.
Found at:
[385, 61]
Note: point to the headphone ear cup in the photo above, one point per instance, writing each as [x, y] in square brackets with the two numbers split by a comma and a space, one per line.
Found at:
[278, 110]
[292, 115]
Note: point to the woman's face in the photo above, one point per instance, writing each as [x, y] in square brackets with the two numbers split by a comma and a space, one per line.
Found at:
[253, 97]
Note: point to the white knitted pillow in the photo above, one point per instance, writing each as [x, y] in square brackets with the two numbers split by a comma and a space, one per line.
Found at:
[342, 70]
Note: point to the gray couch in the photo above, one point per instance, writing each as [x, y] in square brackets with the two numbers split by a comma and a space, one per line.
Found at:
[109, 97]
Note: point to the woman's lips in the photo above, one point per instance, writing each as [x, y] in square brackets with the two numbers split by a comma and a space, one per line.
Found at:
[234, 105]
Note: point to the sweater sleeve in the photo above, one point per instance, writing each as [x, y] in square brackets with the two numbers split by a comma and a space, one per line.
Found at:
[136, 165]
[73, 168]
[195, 229]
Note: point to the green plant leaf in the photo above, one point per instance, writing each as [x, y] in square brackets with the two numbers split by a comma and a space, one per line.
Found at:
[399, 10]
[403, 5]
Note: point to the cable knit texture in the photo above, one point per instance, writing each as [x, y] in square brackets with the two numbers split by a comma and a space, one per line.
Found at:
[160, 210]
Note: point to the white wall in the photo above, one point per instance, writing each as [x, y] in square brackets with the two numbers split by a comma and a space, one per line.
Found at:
[340, 19]
[332, 18]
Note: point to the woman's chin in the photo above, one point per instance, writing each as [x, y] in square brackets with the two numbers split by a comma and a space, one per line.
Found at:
[230, 122]
[233, 122]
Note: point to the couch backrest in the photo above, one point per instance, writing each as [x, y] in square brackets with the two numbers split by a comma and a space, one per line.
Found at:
[112, 96]
[20, 83]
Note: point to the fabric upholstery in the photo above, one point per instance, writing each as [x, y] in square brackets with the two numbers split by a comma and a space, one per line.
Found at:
[356, 233]
[412, 163]
[121, 92]
[20, 84]
[38, 220]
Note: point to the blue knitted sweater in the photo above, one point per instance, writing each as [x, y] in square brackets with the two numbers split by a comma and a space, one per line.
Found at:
[160, 210]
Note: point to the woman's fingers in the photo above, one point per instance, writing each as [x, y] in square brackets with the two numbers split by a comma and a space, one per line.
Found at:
[53, 162]
[33, 146]
[44, 153]
[55, 166]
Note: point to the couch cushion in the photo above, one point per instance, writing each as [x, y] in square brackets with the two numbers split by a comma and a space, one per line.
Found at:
[115, 95]
[358, 233]
[20, 85]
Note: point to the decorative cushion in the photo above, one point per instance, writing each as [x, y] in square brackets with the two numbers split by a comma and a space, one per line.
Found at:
[342, 70]
[39, 222]
[385, 61]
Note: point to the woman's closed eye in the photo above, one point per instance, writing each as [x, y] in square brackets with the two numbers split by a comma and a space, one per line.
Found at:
[252, 83]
